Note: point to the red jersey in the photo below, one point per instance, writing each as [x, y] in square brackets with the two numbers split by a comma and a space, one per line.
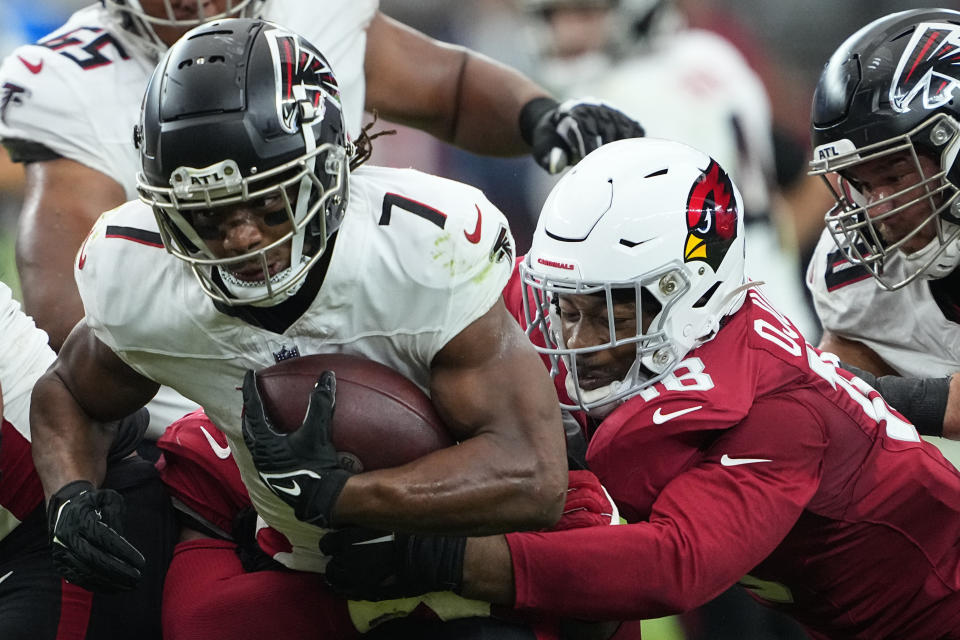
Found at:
[758, 461]
[200, 473]
[20, 489]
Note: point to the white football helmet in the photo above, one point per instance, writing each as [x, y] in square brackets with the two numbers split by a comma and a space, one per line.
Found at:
[657, 219]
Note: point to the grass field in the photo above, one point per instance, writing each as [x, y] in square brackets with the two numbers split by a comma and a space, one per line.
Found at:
[8, 269]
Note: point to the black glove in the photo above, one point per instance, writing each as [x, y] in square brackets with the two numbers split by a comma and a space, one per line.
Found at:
[301, 468]
[86, 539]
[562, 134]
[373, 565]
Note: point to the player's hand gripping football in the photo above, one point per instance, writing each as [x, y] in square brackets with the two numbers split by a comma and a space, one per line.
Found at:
[562, 134]
[367, 564]
[86, 539]
[301, 468]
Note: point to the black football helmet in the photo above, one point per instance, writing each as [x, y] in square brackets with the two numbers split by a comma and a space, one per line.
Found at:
[242, 110]
[893, 87]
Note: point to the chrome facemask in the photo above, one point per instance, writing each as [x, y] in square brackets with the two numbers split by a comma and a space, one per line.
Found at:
[655, 355]
[855, 226]
[222, 185]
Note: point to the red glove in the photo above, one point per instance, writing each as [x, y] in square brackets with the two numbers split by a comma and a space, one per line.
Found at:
[588, 503]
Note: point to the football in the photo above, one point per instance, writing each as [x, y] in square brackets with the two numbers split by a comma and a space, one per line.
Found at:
[380, 420]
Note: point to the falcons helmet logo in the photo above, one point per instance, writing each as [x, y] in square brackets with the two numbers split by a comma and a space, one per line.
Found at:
[301, 75]
[928, 68]
[711, 217]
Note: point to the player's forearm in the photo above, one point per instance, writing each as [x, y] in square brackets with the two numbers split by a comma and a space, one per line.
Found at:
[475, 488]
[627, 571]
[926, 402]
[67, 445]
[855, 353]
[488, 122]
[488, 570]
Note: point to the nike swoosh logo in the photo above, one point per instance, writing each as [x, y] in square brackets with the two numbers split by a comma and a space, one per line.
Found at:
[222, 452]
[292, 489]
[727, 461]
[659, 417]
[32, 68]
[387, 538]
[474, 237]
[6, 575]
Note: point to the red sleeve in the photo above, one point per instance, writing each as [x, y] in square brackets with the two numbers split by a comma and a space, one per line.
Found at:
[199, 471]
[709, 527]
[20, 489]
[513, 294]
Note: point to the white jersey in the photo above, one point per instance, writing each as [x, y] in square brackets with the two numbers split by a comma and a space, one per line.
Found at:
[78, 92]
[694, 87]
[24, 357]
[906, 327]
[416, 260]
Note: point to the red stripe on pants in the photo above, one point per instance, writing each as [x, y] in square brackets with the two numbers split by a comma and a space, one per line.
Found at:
[75, 605]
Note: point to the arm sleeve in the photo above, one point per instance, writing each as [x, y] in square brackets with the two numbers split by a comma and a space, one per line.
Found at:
[476, 254]
[48, 116]
[709, 527]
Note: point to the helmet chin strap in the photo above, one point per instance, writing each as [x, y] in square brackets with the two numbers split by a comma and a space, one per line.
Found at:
[595, 395]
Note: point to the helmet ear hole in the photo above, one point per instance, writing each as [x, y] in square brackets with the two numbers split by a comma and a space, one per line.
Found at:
[706, 297]
[648, 302]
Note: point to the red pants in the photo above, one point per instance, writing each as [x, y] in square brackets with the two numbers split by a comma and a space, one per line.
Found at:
[208, 596]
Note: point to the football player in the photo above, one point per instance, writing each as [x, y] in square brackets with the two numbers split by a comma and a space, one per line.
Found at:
[70, 102]
[256, 241]
[886, 137]
[36, 603]
[737, 452]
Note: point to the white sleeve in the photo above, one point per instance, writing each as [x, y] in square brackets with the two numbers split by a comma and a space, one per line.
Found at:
[483, 252]
[45, 107]
[24, 356]
[82, 114]
[841, 291]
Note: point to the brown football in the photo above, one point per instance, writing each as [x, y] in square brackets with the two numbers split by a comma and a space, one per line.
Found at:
[380, 420]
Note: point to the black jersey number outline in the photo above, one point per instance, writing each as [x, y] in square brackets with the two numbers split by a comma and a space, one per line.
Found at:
[93, 49]
[416, 208]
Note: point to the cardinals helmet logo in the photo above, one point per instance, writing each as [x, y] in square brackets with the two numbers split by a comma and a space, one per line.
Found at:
[928, 68]
[301, 75]
[711, 217]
